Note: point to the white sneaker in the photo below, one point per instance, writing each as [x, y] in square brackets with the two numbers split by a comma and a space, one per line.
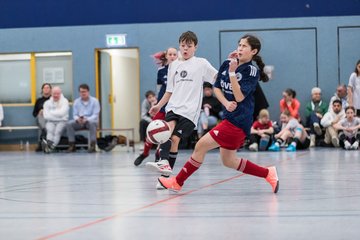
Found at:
[355, 145]
[161, 166]
[159, 186]
[312, 140]
[317, 128]
[253, 147]
[347, 145]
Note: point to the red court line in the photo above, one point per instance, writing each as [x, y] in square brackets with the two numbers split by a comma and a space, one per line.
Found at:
[134, 210]
[57, 234]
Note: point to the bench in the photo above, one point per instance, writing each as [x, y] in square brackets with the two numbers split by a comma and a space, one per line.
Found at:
[12, 128]
[128, 131]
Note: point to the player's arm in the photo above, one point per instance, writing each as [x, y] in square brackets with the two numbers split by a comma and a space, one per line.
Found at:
[229, 105]
[239, 96]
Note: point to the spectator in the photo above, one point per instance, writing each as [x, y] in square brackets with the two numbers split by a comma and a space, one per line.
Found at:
[56, 114]
[290, 103]
[354, 89]
[291, 130]
[210, 110]
[86, 111]
[38, 112]
[314, 112]
[261, 132]
[340, 94]
[149, 101]
[329, 120]
[349, 134]
[1, 114]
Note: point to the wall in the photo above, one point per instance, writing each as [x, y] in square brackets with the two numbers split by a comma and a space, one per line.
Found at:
[310, 51]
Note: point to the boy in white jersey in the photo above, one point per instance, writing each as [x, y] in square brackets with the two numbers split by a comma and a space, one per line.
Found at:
[183, 96]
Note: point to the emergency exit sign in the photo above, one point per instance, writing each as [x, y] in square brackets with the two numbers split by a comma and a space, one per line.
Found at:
[116, 40]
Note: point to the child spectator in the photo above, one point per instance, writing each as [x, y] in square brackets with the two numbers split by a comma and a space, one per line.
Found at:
[291, 129]
[349, 134]
[261, 132]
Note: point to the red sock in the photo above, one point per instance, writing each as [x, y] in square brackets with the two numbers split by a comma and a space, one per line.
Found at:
[147, 147]
[188, 169]
[250, 168]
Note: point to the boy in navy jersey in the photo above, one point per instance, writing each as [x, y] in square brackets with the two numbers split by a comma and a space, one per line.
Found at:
[163, 59]
[183, 96]
[234, 87]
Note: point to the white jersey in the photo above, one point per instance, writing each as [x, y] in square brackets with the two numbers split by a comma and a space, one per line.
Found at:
[354, 83]
[185, 82]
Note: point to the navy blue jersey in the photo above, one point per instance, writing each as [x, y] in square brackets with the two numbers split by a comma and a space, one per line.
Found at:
[248, 77]
[162, 80]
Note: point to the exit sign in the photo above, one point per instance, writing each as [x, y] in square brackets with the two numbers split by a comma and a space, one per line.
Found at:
[116, 40]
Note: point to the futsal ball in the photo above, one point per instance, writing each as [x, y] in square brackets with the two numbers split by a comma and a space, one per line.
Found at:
[158, 131]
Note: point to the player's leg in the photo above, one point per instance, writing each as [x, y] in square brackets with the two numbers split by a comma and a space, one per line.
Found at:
[230, 160]
[205, 144]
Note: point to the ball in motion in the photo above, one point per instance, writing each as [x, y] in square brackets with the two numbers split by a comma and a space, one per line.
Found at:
[158, 131]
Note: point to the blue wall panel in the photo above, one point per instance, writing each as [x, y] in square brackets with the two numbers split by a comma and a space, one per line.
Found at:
[349, 53]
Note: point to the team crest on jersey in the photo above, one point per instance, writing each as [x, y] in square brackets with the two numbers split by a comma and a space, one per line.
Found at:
[238, 76]
[183, 73]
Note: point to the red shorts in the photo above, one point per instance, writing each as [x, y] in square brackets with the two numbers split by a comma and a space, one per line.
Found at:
[228, 136]
[160, 116]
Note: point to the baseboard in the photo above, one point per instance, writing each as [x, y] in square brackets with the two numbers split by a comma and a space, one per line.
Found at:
[16, 147]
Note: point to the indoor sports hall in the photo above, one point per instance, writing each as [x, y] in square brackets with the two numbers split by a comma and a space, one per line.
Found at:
[75, 175]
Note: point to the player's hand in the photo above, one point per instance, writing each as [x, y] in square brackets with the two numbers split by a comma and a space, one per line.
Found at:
[154, 110]
[231, 106]
[233, 54]
[233, 64]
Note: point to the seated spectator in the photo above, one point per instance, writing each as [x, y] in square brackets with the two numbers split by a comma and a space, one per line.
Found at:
[340, 94]
[1, 114]
[314, 112]
[86, 111]
[56, 114]
[210, 111]
[149, 101]
[329, 120]
[38, 112]
[261, 132]
[291, 130]
[290, 103]
[348, 127]
[354, 89]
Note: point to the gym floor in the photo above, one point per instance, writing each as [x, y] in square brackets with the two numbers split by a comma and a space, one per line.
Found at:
[104, 196]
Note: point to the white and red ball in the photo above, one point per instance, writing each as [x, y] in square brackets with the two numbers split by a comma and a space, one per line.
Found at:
[158, 131]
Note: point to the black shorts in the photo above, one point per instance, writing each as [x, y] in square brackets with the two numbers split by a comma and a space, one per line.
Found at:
[183, 128]
[304, 145]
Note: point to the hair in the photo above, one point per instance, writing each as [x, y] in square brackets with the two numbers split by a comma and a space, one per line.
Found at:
[337, 101]
[188, 37]
[84, 86]
[350, 107]
[45, 84]
[286, 113]
[207, 85]
[255, 43]
[290, 92]
[264, 113]
[149, 93]
[160, 57]
[356, 70]
[315, 90]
